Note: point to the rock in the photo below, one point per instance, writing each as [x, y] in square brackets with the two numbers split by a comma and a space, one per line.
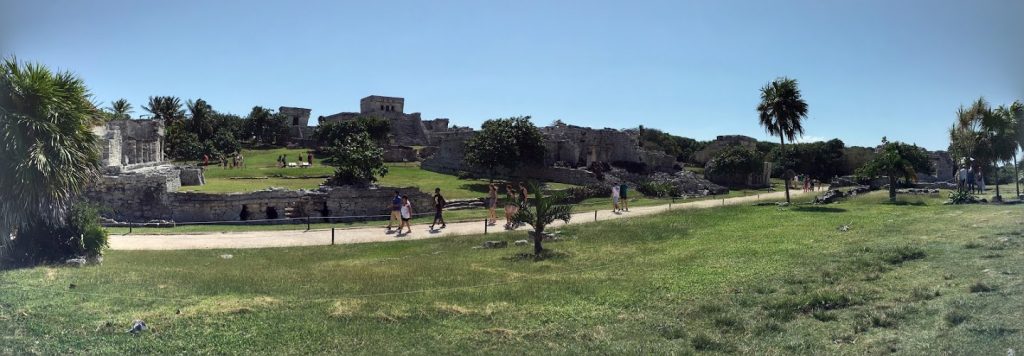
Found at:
[495, 244]
[226, 256]
[522, 243]
[861, 189]
[137, 327]
[844, 228]
[76, 262]
[831, 196]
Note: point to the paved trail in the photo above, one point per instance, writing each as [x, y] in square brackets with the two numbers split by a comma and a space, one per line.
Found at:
[259, 239]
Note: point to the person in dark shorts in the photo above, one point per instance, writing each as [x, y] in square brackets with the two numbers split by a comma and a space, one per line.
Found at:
[439, 204]
[396, 211]
[406, 213]
[623, 197]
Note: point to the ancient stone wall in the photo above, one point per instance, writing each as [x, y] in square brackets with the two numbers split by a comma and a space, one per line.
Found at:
[377, 103]
[400, 154]
[191, 176]
[130, 144]
[136, 195]
[296, 116]
[945, 168]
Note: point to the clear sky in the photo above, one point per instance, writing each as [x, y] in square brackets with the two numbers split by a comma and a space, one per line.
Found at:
[693, 68]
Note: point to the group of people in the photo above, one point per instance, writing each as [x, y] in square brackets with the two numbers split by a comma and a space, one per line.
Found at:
[515, 198]
[620, 198]
[401, 211]
[237, 160]
[282, 160]
[969, 179]
[810, 184]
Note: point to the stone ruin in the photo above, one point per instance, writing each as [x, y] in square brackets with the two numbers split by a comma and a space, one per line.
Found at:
[298, 125]
[571, 151]
[137, 185]
[130, 144]
[406, 129]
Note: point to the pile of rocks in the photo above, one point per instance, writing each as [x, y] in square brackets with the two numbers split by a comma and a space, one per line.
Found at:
[831, 196]
[917, 191]
[686, 182]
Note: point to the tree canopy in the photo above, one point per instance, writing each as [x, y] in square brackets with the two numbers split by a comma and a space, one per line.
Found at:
[508, 143]
[782, 111]
[897, 160]
[357, 159]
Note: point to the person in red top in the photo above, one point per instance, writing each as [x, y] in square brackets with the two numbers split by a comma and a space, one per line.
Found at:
[206, 160]
[309, 158]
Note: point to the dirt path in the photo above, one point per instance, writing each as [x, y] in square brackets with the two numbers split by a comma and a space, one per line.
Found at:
[259, 239]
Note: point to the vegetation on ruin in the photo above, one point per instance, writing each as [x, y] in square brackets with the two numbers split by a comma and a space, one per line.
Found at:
[505, 143]
[47, 155]
[915, 277]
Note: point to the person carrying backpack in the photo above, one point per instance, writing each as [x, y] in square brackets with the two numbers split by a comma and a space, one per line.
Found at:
[439, 204]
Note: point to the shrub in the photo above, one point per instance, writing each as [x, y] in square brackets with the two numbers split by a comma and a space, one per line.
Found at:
[575, 195]
[658, 189]
[963, 197]
[733, 166]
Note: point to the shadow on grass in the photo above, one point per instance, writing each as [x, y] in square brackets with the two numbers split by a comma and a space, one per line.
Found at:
[819, 209]
[903, 202]
[546, 254]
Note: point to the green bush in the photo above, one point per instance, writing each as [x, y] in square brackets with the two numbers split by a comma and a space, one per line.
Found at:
[963, 197]
[575, 195]
[733, 166]
[658, 189]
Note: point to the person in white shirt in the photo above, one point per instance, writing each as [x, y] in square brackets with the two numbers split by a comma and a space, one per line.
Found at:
[961, 178]
[615, 198]
[406, 214]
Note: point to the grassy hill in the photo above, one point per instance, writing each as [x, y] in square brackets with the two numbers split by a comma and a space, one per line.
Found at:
[915, 278]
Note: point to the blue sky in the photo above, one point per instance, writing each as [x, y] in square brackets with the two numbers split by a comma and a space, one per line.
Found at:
[867, 68]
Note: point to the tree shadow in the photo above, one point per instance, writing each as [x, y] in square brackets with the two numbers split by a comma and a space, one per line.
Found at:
[902, 203]
[819, 209]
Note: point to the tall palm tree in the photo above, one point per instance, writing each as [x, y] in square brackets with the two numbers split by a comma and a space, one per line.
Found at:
[782, 111]
[1007, 137]
[166, 108]
[120, 109]
[47, 149]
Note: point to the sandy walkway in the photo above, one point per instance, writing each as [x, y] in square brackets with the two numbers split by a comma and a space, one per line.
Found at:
[258, 239]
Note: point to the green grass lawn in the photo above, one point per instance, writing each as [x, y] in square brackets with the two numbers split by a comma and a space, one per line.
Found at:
[912, 278]
[263, 164]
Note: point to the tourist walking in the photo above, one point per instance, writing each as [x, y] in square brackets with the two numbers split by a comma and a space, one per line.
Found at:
[241, 160]
[396, 208]
[970, 180]
[511, 206]
[961, 179]
[615, 198]
[525, 194]
[981, 182]
[309, 158]
[206, 160]
[406, 212]
[492, 203]
[624, 197]
[439, 204]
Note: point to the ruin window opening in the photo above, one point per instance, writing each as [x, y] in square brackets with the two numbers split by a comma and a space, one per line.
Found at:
[271, 212]
[382, 107]
[295, 121]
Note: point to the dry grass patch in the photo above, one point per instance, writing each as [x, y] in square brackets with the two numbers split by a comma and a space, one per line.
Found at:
[229, 305]
[344, 308]
[452, 309]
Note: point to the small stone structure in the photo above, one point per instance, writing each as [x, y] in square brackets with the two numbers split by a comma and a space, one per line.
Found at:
[945, 168]
[406, 129]
[130, 144]
[298, 125]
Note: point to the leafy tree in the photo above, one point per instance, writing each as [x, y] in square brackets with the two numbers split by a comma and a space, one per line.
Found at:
[781, 111]
[377, 128]
[224, 142]
[166, 108]
[545, 211]
[120, 109]
[820, 160]
[356, 158]
[508, 143]
[200, 119]
[229, 124]
[47, 149]
[897, 160]
[183, 144]
[733, 165]
[265, 127]
[981, 137]
[1002, 129]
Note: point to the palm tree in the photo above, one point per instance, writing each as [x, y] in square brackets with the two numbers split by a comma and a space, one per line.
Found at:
[545, 211]
[782, 111]
[120, 109]
[897, 160]
[199, 121]
[166, 108]
[1003, 128]
[47, 149]
[979, 136]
